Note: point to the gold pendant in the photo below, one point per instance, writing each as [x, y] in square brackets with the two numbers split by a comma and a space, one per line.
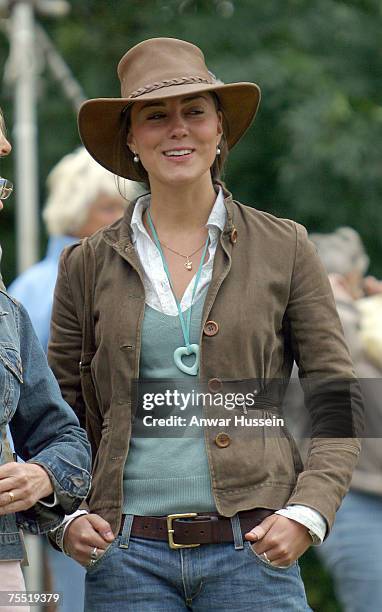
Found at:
[188, 264]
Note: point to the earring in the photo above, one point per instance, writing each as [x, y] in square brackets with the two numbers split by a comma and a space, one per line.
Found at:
[218, 150]
[136, 158]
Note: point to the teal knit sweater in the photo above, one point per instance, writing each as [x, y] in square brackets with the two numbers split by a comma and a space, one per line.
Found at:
[167, 475]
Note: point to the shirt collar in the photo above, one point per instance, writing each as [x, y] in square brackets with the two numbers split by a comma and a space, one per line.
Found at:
[136, 220]
[218, 213]
[216, 219]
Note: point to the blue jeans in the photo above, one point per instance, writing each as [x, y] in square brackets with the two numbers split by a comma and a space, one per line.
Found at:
[353, 552]
[137, 574]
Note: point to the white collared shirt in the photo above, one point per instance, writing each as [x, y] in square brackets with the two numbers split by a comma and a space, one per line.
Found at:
[157, 287]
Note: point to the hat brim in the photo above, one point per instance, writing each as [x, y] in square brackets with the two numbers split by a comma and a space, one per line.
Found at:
[99, 120]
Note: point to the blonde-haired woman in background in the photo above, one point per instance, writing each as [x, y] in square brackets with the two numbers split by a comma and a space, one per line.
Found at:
[82, 198]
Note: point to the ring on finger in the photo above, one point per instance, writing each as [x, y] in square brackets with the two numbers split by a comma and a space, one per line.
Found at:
[94, 555]
[266, 558]
[11, 497]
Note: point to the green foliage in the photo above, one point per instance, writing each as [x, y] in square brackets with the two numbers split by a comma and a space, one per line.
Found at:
[318, 584]
[315, 149]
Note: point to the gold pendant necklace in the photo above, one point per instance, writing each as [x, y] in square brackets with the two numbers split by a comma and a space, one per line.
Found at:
[188, 263]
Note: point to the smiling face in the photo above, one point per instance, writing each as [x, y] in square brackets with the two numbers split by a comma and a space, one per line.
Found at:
[5, 147]
[176, 138]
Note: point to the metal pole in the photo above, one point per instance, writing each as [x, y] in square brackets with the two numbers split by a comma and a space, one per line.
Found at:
[33, 573]
[60, 70]
[25, 134]
[25, 138]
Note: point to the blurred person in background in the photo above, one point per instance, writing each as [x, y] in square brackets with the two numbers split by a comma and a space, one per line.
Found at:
[54, 476]
[82, 198]
[353, 552]
[189, 268]
[370, 308]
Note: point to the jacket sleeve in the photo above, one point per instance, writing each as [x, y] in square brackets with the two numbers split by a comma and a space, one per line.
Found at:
[332, 393]
[44, 428]
[65, 343]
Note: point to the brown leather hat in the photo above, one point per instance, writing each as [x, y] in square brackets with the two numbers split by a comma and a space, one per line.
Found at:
[155, 69]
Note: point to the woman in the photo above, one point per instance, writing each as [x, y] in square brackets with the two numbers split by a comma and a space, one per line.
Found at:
[259, 298]
[356, 536]
[82, 198]
[34, 495]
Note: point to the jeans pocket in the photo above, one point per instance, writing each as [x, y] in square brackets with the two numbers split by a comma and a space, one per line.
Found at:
[91, 567]
[261, 561]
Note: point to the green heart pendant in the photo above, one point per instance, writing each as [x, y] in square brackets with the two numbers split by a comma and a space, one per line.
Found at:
[187, 350]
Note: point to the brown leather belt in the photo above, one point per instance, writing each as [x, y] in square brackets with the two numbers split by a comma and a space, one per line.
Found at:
[192, 529]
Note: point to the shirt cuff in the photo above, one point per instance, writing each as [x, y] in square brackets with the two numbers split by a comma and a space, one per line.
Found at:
[57, 535]
[50, 504]
[309, 517]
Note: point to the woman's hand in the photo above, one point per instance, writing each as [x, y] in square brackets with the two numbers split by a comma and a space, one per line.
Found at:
[281, 539]
[84, 534]
[22, 485]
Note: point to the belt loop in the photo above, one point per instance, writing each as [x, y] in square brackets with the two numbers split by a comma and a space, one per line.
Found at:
[236, 530]
[126, 531]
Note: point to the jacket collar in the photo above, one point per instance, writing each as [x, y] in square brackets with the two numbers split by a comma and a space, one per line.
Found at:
[119, 235]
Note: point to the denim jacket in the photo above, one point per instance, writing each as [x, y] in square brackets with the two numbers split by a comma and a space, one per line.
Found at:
[44, 428]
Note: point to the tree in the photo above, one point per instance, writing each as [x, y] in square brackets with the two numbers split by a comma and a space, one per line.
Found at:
[314, 151]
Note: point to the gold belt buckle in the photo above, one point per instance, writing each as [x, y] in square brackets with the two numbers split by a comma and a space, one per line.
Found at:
[170, 530]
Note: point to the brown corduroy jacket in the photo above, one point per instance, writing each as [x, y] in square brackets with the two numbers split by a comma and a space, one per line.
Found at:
[272, 303]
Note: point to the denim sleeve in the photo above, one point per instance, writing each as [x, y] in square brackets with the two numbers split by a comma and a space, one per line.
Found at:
[45, 429]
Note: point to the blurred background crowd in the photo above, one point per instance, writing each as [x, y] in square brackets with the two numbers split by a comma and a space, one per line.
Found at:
[314, 155]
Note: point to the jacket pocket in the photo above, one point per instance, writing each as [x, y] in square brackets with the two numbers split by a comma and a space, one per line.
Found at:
[87, 386]
[9, 533]
[71, 481]
[280, 457]
[101, 463]
[296, 456]
[11, 377]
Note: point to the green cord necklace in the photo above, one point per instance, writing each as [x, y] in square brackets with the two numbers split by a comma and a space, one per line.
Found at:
[188, 349]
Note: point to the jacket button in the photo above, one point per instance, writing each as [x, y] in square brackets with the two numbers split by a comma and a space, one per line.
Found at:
[211, 328]
[222, 440]
[233, 236]
[215, 385]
